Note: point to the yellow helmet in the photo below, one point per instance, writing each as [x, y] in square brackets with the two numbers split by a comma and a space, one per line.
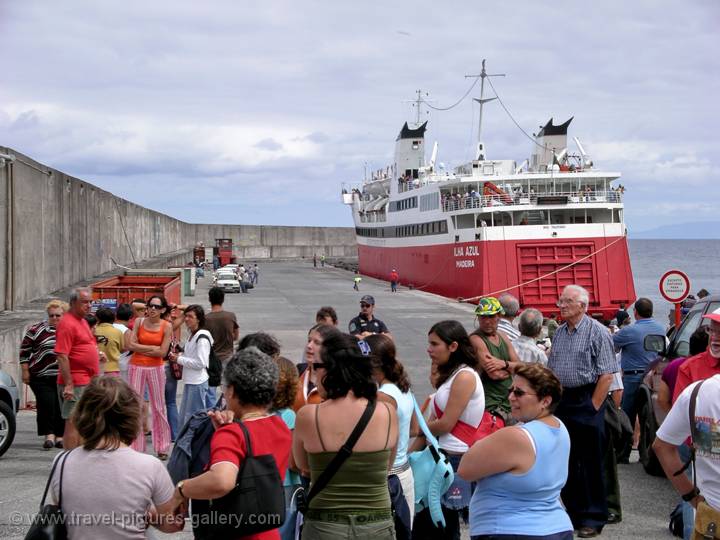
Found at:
[489, 306]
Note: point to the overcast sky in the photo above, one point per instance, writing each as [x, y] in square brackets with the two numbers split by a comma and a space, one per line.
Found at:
[255, 112]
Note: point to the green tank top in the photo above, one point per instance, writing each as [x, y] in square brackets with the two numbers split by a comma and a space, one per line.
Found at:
[496, 391]
[359, 485]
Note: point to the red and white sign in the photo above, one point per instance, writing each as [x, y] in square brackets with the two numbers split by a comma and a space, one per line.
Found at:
[674, 286]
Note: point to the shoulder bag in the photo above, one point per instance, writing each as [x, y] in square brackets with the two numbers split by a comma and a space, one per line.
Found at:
[303, 500]
[432, 472]
[49, 523]
[257, 502]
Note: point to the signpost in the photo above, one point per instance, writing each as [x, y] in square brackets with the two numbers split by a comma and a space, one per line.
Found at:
[674, 287]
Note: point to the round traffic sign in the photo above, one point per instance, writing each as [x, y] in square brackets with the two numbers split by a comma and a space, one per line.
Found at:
[674, 286]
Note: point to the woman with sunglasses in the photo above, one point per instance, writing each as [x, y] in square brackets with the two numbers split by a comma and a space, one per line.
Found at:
[520, 470]
[307, 388]
[355, 503]
[149, 342]
[40, 369]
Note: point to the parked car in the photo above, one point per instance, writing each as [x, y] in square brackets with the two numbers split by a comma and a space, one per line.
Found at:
[9, 404]
[227, 281]
[649, 412]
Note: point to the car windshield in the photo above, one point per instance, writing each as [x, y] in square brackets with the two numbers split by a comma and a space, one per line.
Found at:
[689, 325]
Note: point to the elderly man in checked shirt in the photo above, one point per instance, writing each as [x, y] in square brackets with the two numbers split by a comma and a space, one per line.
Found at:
[583, 358]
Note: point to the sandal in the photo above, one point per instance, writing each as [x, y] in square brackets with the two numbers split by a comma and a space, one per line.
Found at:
[58, 443]
[48, 444]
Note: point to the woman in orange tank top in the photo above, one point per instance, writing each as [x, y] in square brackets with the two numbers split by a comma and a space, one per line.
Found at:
[149, 342]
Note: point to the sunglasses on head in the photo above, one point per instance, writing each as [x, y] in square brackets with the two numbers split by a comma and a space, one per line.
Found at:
[518, 393]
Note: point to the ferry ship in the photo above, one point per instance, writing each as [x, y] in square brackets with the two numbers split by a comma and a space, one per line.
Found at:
[491, 226]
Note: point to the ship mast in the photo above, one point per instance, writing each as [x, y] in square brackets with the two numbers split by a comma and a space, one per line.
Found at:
[417, 103]
[483, 75]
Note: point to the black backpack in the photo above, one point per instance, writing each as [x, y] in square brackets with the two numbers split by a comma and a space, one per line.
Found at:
[214, 365]
[256, 503]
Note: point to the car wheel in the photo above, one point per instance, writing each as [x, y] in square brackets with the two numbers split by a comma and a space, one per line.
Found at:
[648, 427]
[7, 427]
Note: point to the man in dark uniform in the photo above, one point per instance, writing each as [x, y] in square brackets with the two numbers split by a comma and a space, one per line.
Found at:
[365, 324]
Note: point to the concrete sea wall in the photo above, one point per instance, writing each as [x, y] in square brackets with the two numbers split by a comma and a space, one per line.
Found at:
[57, 230]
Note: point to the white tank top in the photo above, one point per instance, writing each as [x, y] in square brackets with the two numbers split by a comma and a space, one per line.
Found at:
[472, 414]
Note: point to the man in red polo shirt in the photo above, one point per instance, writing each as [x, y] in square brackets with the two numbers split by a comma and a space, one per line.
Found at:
[704, 365]
[77, 356]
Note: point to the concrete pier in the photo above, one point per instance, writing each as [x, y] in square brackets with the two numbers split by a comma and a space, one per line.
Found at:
[284, 304]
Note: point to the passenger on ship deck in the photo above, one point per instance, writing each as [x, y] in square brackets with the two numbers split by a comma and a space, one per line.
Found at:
[365, 323]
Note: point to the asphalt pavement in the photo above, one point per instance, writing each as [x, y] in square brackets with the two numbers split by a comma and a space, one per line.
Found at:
[284, 304]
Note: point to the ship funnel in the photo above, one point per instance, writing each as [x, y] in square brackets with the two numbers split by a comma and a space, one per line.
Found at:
[410, 150]
[549, 139]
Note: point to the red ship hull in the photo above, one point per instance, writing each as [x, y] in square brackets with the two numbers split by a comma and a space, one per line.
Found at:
[533, 270]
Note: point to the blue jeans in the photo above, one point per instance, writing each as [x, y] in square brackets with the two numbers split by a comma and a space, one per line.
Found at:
[210, 396]
[688, 510]
[171, 403]
[193, 400]
[631, 384]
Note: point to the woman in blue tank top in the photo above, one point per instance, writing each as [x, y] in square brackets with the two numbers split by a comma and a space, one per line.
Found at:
[520, 470]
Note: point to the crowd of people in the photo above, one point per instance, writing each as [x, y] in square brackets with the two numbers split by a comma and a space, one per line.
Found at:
[517, 416]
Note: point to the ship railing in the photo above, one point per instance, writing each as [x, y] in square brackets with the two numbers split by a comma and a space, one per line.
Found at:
[409, 185]
[373, 217]
[454, 202]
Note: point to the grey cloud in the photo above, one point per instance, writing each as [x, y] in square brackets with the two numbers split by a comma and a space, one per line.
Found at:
[269, 144]
[132, 91]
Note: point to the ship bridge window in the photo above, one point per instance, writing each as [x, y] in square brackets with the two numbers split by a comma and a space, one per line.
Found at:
[503, 219]
[484, 220]
[465, 221]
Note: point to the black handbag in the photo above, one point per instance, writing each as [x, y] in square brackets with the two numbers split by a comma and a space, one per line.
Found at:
[303, 497]
[618, 426]
[256, 503]
[49, 523]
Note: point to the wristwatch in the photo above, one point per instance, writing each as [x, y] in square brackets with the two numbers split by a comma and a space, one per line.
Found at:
[690, 495]
[179, 487]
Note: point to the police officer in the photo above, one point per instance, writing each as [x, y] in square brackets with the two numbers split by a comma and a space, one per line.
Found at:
[365, 324]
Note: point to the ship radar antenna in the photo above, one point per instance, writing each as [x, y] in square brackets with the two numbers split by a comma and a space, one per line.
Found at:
[417, 105]
[483, 75]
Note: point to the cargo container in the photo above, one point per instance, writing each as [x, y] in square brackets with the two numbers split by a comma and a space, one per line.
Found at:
[123, 289]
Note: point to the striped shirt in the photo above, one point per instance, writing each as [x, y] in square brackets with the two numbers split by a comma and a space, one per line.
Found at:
[528, 351]
[578, 357]
[38, 350]
[507, 327]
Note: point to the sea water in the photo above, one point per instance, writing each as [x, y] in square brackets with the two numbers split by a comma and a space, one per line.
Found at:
[650, 259]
